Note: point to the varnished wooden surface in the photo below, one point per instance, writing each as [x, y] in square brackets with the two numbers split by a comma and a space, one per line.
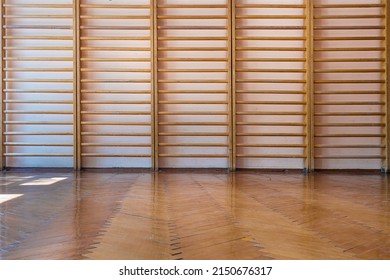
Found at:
[194, 215]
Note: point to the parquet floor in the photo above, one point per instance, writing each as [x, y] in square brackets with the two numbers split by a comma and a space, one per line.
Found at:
[193, 215]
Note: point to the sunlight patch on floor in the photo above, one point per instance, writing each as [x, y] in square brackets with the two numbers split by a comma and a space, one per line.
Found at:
[8, 197]
[44, 181]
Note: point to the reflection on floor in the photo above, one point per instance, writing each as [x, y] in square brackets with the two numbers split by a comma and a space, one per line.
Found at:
[193, 215]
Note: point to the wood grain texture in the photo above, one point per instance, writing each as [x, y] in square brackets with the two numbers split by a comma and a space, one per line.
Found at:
[30, 66]
[194, 85]
[113, 71]
[337, 69]
[3, 87]
[194, 215]
[386, 97]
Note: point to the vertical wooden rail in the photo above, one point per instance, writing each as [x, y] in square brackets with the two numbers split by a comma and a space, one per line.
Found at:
[76, 86]
[154, 46]
[387, 84]
[232, 78]
[309, 161]
[3, 86]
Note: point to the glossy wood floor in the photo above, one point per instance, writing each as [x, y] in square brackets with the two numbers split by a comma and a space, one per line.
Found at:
[194, 215]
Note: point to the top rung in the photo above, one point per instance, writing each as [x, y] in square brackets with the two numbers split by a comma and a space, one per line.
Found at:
[190, 6]
[39, 6]
[271, 6]
[115, 6]
[335, 6]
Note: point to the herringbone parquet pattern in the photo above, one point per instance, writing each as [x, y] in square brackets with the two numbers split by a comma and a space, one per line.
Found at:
[194, 215]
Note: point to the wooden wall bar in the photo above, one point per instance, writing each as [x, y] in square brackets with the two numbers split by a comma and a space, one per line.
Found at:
[350, 105]
[193, 83]
[116, 82]
[297, 84]
[270, 84]
[38, 83]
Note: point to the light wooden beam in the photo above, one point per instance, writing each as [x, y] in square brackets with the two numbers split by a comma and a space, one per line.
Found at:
[232, 83]
[309, 119]
[3, 87]
[154, 95]
[386, 163]
[76, 86]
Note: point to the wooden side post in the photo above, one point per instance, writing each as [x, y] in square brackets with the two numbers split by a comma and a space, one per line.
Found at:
[3, 87]
[154, 98]
[232, 83]
[76, 86]
[386, 164]
[309, 120]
